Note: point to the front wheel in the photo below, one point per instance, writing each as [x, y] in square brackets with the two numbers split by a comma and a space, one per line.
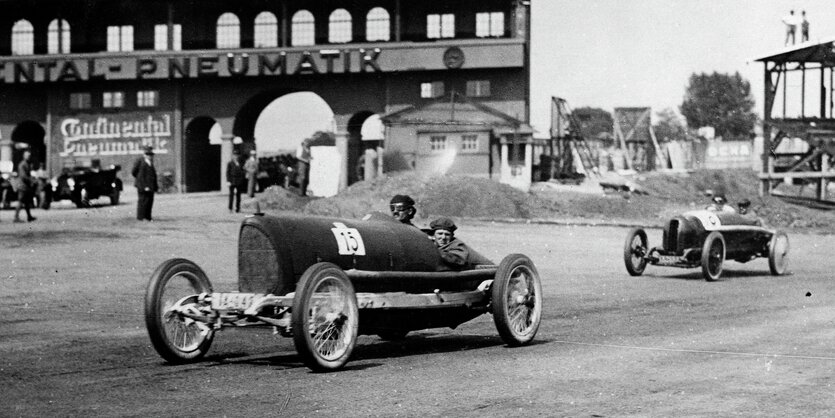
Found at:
[170, 304]
[325, 317]
[713, 255]
[634, 251]
[778, 252]
[516, 300]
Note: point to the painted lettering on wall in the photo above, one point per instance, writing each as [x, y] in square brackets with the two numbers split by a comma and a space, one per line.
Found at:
[95, 135]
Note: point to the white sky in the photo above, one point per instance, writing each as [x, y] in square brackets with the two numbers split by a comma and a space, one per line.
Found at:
[614, 53]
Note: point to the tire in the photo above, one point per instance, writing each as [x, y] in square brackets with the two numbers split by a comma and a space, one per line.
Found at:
[325, 317]
[634, 251]
[713, 255]
[175, 339]
[516, 300]
[114, 198]
[778, 252]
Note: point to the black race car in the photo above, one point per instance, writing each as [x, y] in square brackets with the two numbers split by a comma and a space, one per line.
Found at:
[707, 238]
[83, 184]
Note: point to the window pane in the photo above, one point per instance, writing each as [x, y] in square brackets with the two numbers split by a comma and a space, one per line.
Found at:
[23, 38]
[56, 45]
[266, 30]
[127, 38]
[112, 38]
[497, 24]
[147, 98]
[339, 27]
[433, 26]
[160, 37]
[228, 31]
[378, 25]
[178, 37]
[448, 26]
[482, 25]
[302, 29]
[80, 100]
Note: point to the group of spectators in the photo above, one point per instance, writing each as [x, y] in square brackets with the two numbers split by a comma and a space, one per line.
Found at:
[255, 174]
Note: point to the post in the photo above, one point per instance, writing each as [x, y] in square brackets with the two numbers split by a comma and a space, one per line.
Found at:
[226, 146]
[824, 168]
[342, 148]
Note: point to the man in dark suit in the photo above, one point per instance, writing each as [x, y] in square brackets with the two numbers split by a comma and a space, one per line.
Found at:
[26, 184]
[146, 183]
[235, 179]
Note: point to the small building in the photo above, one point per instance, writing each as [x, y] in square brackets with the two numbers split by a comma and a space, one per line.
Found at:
[457, 135]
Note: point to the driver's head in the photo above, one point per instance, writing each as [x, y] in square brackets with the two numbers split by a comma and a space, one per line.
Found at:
[402, 208]
[719, 199]
[443, 230]
[744, 206]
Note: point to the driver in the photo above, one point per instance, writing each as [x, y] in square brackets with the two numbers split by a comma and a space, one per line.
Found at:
[455, 254]
[744, 210]
[403, 208]
[719, 204]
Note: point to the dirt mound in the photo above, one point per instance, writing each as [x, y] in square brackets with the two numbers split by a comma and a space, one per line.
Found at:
[276, 198]
[456, 196]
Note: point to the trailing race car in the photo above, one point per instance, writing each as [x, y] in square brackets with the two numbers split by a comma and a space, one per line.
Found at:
[83, 184]
[325, 280]
[707, 238]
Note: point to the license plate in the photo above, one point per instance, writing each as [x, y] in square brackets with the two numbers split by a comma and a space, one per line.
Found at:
[232, 301]
[668, 259]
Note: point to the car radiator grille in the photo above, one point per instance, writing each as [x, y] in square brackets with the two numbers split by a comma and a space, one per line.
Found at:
[671, 243]
[258, 269]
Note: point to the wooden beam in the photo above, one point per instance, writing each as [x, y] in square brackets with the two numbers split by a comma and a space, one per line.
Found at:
[798, 175]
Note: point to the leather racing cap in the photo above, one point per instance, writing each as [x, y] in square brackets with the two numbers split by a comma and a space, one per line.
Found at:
[402, 198]
[443, 223]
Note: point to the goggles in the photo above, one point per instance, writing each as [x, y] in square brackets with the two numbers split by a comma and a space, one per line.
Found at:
[399, 207]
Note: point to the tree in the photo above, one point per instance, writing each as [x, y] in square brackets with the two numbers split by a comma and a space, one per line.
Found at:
[669, 126]
[593, 121]
[722, 101]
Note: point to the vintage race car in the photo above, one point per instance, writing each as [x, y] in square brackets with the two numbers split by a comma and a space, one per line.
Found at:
[323, 281]
[707, 238]
[83, 184]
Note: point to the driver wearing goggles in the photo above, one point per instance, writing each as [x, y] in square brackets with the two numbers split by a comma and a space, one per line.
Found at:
[403, 209]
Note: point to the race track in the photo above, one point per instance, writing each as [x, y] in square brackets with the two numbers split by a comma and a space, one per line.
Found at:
[73, 340]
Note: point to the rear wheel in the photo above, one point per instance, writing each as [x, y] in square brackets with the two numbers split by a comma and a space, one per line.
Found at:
[325, 317]
[172, 295]
[516, 300]
[778, 252]
[713, 255]
[634, 250]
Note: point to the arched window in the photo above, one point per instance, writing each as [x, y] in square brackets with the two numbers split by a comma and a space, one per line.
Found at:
[23, 38]
[377, 25]
[266, 30]
[58, 37]
[228, 31]
[303, 29]
[339, 27]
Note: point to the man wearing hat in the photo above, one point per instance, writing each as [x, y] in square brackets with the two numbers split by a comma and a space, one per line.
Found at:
[146, 183]
[251, 168]
[455, 254]
[403, 208]
[235, 179]
[719, 204]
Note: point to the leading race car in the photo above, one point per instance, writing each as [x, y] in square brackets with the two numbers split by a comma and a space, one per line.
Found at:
[323, 281]
[707, 238]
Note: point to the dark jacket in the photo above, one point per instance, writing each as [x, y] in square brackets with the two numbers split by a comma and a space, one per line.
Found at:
[24, 177]
[458, 256]
[146, 176]
[235, 174]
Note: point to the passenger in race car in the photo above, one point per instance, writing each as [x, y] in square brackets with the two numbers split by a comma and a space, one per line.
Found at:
[719, 204]
[403, 208]
[455, 254]
[744, 210]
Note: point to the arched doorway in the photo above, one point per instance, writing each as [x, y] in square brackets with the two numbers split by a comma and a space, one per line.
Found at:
[285, 121]
[29, 135]
[202, 155]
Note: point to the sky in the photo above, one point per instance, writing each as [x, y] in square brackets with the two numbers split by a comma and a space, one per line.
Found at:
[634, 53]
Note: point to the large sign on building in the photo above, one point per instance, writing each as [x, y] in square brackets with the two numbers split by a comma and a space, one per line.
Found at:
[255, 62]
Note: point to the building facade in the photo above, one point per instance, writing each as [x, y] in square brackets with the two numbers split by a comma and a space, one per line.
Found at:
[84, 80]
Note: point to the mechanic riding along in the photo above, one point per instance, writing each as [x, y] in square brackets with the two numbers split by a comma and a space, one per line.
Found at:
[707, 238]
[323, 281]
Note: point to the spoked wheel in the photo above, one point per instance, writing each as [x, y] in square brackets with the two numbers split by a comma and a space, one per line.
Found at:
[778, 253]
[517, 300]
[325, 317]
[170, 307]
[713, 255]
[634, 250]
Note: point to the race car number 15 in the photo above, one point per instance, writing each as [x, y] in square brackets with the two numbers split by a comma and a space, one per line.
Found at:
[348, 240]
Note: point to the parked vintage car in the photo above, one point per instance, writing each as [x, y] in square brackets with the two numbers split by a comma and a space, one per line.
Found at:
[323, 281]
[41, 195]
[83, 184]
[707, 238]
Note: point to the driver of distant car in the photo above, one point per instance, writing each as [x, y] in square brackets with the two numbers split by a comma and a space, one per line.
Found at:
[744, 210]
[455, 254]
[403, 208]
[719, 204]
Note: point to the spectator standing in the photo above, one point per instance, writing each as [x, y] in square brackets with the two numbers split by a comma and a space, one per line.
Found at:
[303, 166]
[804, 27]
[791, 26]
[251, 168]
[235, 179]
[146, 184]
[25, 187]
